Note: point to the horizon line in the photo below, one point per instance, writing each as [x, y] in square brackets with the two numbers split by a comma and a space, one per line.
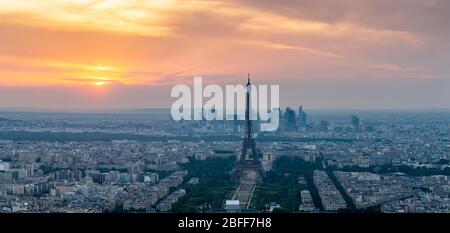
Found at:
[130, 109]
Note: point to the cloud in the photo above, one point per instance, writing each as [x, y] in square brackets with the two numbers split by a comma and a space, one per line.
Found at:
[114, 16]
[277, 46]
[160, 43]
[415, 16]
[394, 67]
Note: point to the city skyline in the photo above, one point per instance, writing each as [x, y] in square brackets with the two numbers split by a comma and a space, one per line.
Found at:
[324, 54]
[371, 162]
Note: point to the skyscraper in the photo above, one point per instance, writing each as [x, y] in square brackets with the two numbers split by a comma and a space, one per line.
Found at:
[301, 117]
[289, 116]
[355, 121]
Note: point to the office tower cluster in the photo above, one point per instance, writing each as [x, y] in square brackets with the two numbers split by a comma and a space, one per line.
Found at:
[292, 122]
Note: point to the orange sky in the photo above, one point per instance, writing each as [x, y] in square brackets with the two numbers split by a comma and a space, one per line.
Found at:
[99, 43]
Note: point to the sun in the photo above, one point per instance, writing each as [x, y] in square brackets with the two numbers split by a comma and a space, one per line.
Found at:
[101, 83]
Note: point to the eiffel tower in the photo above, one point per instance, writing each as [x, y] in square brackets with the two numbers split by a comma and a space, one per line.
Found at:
[250, 155]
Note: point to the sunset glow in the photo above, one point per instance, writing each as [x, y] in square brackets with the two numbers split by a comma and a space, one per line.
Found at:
[101, 83]
[72, 44]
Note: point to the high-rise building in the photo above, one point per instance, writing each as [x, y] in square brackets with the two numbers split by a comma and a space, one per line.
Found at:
[355, 121]
[282, 125]
[301, 117]
[289, 116]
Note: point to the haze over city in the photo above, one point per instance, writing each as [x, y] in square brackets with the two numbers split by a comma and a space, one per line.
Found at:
[128, 54]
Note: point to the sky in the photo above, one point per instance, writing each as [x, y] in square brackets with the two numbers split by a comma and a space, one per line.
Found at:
[90, 54]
